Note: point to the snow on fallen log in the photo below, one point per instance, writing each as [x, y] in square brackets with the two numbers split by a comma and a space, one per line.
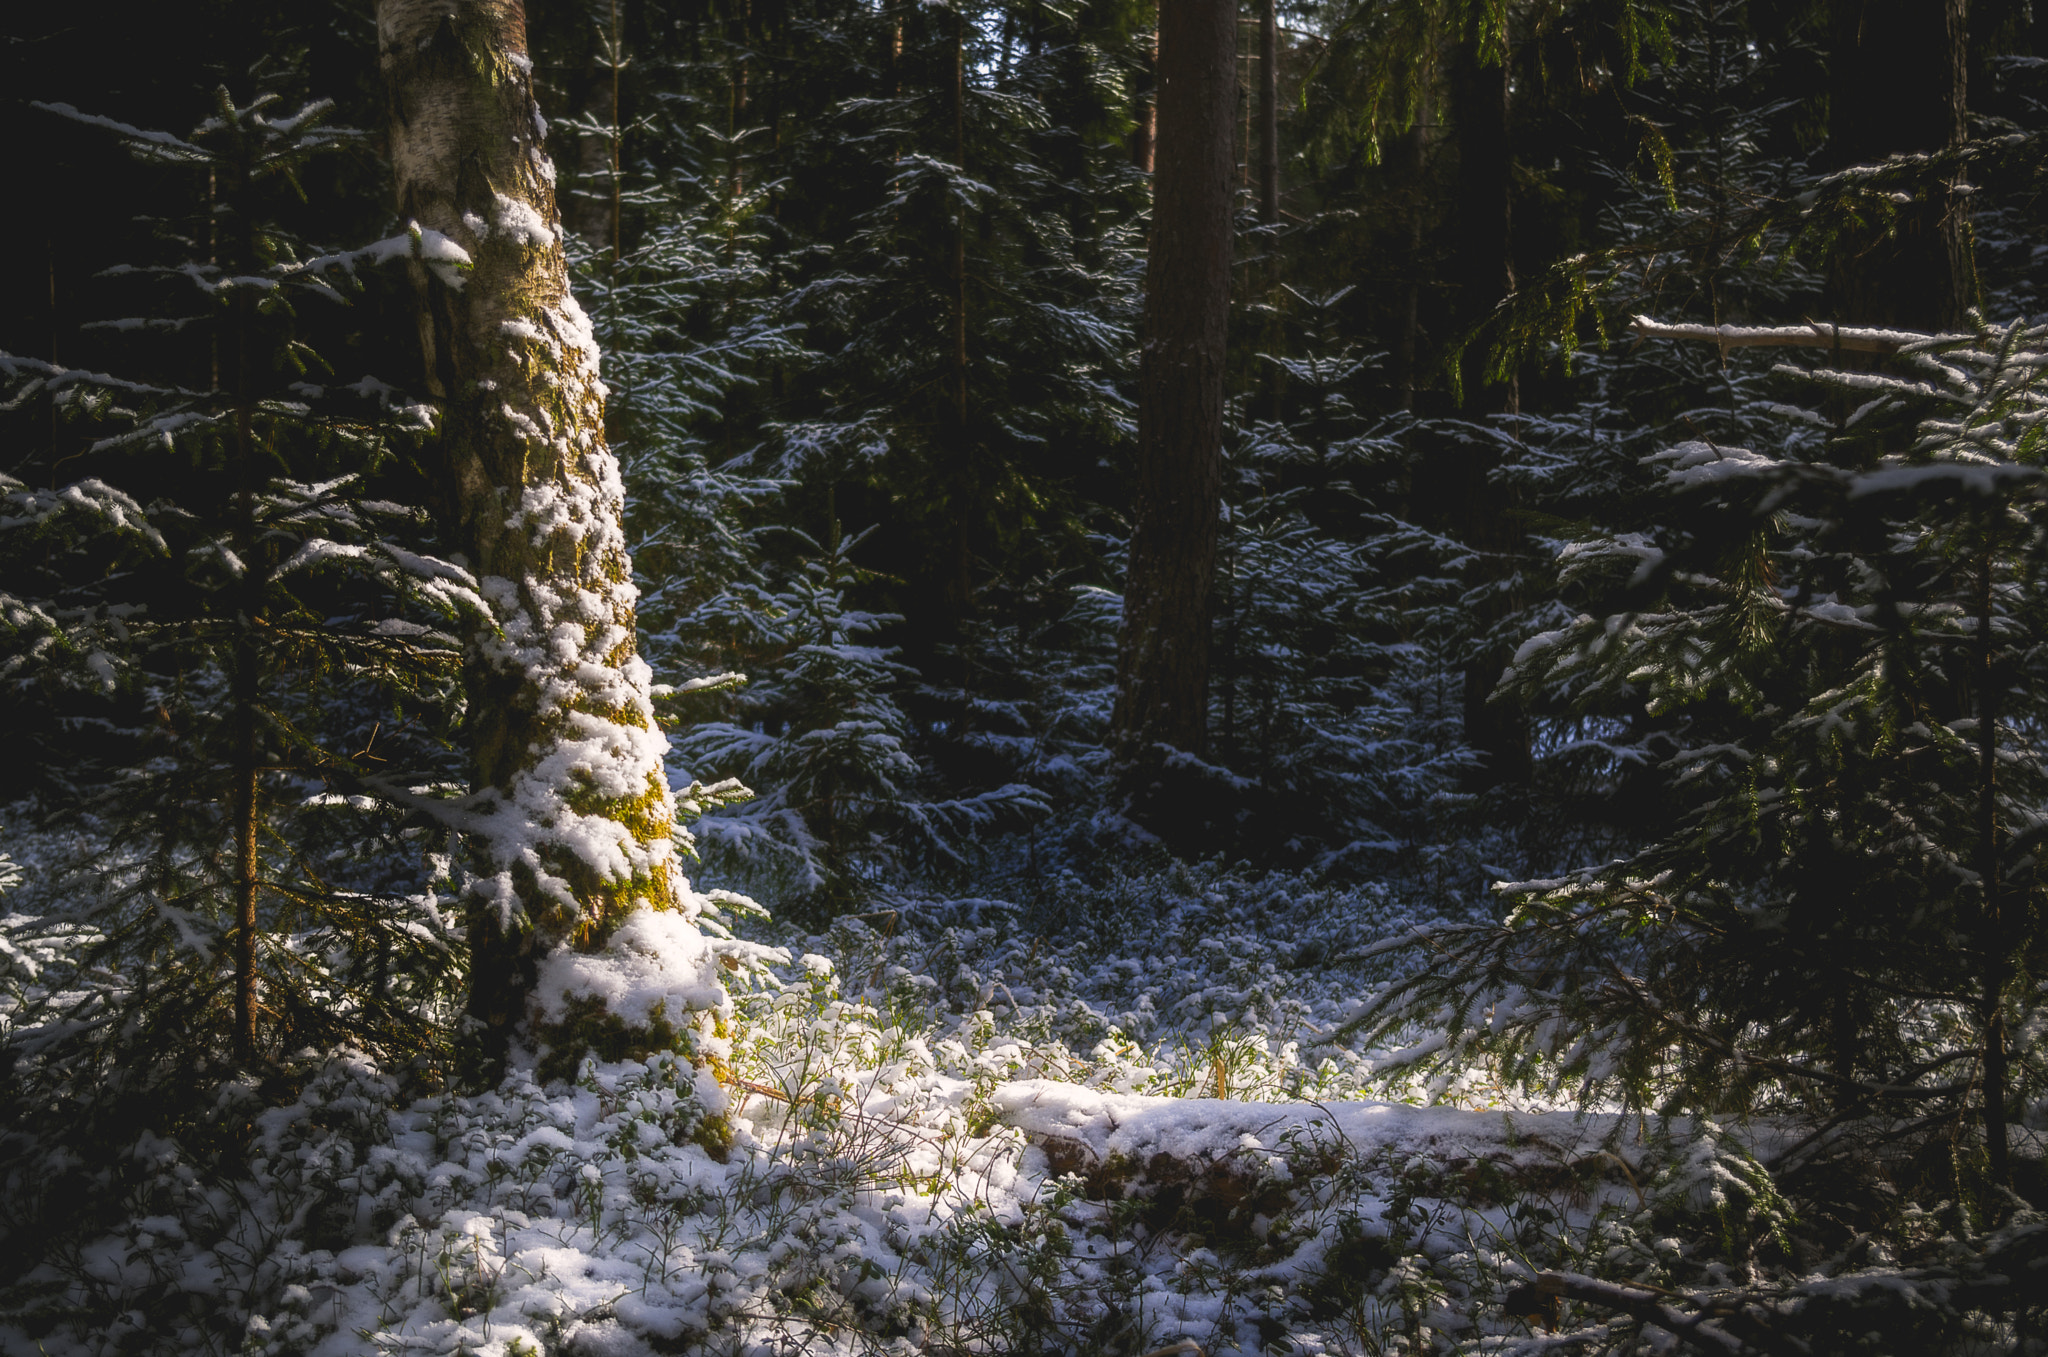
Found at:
[1223, 1168]
[1128, 1145]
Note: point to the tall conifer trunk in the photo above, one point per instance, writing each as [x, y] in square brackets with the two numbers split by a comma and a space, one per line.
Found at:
[245, 679]
[960, 584]
[1898, 84]
[1484, 226]
[1144, 111]
[571, 817]
[1484, 261]
[1411, 164]
[1163, 645]
[1997, 968]
[1269, 198]
[1269, 114]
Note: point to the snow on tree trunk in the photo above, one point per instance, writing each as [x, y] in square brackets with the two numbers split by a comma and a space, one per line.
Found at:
[580, 922]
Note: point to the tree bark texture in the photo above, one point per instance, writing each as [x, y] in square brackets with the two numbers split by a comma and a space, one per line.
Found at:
[959, 591]
[1471, 501]
[1269, 114]
[1898, 84]
[1163, 646]
[1411, 165]
[570, 817]
[1991, 1013]
[1272, 406]
[248, 881]
[247, 676]
[1484, 242]
[1144, 110]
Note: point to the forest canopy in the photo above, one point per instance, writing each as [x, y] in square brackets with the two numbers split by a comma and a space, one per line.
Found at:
[1122, 677]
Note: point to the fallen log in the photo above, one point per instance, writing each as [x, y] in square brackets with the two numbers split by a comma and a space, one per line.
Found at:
[1217, 1165]
[1224, 1158]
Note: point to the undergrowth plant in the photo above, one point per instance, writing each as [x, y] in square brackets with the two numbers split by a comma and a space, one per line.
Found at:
[1844, 639]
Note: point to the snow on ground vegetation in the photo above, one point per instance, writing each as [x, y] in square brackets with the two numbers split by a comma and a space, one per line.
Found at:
[954, 1133]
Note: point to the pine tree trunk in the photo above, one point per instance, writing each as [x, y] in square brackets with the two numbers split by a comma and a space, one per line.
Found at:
[1477, 507]
[1991, 1014]
[1411, 163]
[571, 816]
[1269, 114]
[246, 789]
[958, 589]
[1163, 645]
[245, 681]
[1144, 112]
[1269, 202]
[1898, 84]
[616, 143]
[1485, 261]
[956, 261]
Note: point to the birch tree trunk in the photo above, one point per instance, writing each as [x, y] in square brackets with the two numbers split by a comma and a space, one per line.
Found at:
[1162, 692]
[577, 892]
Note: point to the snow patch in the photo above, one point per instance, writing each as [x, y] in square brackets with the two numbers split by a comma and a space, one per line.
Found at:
[657, 962]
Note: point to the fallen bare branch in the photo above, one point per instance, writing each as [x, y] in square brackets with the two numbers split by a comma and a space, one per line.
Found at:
[1703, 1328]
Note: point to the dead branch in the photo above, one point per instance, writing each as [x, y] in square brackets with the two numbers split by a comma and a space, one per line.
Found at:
[1814, 335]
[1703, 1329]
[1811, 1317]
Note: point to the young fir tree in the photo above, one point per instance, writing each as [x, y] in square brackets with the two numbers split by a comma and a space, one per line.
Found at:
[1706, 136]
[840, 808]
[699, 339]
[963, 312]
[1333, 622]
[1843, 920]
[961, 303]
[238, 662]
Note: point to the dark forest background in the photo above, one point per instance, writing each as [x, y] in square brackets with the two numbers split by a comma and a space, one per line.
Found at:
[1622, 681]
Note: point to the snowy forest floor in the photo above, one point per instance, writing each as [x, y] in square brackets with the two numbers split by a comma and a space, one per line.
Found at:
[953, 1134]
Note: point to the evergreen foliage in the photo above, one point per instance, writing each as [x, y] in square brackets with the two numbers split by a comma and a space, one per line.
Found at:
[1608, 917]
[843, 805]
[240, 657]
[1333, 617]
[1843, 631]
[968, 312]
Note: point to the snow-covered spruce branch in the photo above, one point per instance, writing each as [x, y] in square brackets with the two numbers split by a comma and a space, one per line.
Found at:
[1543, 992]
[1633, 991]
